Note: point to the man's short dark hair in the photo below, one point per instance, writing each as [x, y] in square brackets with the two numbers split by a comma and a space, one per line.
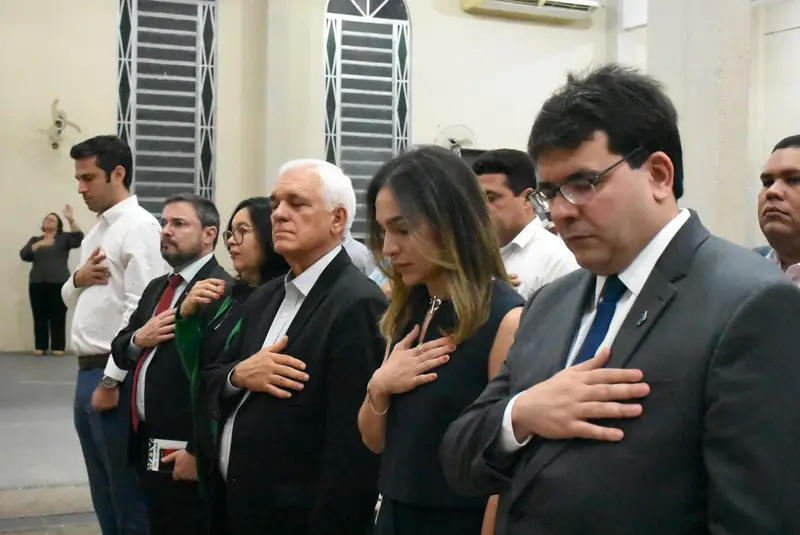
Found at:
[515, 164]
[109, 153]
[206, 210]
[791, 142]
[631, 108]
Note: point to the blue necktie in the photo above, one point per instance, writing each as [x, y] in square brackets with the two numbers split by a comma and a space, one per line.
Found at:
[612, 291]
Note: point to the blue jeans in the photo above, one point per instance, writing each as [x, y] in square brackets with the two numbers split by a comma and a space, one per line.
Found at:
[116, 495]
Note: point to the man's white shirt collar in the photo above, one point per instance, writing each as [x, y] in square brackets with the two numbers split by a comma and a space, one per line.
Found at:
[635, 275]
[307, 279]
[190, 272]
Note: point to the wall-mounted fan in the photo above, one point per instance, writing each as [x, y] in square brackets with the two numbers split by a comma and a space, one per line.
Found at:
[58, 123]
[455, 138]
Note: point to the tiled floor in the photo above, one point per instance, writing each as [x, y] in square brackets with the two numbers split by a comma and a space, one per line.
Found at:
[37, 439]
[41, 467]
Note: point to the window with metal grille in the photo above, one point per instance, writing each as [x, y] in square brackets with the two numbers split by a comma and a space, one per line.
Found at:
[166, 55]
[367, 112]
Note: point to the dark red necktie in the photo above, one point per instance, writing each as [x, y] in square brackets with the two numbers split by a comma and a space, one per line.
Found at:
[163, 304]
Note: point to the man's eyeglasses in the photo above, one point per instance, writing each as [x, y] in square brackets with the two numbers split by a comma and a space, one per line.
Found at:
[578, 188]
[238, 234]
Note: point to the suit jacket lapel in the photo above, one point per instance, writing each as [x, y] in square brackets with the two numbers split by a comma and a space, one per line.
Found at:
[658, 291]
[317, 294]
[571, 308]
[646, 310]
[204, 273]
[656, 294]
[556, 349]
[161, 288]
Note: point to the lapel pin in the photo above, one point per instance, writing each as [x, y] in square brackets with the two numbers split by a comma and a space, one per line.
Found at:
[642, 319]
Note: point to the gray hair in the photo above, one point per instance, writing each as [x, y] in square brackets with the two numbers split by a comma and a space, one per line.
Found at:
[337, 188]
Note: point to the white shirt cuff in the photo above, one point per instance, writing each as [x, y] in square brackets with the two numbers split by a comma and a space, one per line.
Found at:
[231, 390]
[508, 441]
[113, 371]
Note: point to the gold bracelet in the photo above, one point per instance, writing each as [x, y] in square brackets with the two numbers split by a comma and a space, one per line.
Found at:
[371, 406]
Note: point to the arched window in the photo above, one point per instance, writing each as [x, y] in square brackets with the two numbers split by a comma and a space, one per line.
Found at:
[367, 112]
[166, 61]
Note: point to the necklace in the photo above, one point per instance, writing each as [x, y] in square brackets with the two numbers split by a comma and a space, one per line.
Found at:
[435, 303]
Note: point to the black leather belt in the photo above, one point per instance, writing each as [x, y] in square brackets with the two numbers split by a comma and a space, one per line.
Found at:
[92, 362]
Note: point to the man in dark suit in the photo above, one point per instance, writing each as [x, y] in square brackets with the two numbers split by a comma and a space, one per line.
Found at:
[290, 385]
[161, 441]
[689, 424]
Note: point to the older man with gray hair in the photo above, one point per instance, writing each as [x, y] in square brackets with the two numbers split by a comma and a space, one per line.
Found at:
[286, 391]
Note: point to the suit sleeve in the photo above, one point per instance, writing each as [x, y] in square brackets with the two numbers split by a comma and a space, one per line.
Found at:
[751, 433]
[348, 489]
[472, 454]
[124, 359]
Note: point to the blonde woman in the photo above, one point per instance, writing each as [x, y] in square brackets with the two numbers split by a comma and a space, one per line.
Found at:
[450, 323]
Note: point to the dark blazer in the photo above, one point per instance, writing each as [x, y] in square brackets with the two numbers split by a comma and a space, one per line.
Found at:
[201, 340]
[298, 466]
[167, 397]
[715, 449]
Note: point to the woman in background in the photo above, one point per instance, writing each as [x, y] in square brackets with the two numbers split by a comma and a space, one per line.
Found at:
[450, 323]
[209, 317]
[49, 254]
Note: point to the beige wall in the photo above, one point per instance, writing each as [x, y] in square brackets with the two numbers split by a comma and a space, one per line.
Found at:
[67, 50]
[489, 74]
[771, 113]
[781, 76]
[48, 50]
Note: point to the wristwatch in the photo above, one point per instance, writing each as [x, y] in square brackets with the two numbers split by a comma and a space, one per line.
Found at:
[109, 382]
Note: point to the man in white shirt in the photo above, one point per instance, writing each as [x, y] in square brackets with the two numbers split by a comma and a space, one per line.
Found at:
[119, 256]
[779, 206]
[655, 390]
[533, 256]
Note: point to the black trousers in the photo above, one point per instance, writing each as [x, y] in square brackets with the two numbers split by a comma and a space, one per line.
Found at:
[396, 518]
[49, 316]
[174, 507]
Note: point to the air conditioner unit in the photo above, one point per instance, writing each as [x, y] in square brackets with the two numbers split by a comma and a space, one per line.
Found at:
[563, 10]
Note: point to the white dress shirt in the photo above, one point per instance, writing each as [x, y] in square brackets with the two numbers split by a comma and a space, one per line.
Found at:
[297, 289]
[537, 257]
[130, 237]
[634, 278]
[186, 275]
[793, 271]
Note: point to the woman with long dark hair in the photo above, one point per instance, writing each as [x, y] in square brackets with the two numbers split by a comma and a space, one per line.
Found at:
[209, 316]
[450, 323]
[49, 253]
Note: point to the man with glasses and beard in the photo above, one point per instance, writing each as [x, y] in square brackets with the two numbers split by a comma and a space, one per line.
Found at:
[161, 406]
